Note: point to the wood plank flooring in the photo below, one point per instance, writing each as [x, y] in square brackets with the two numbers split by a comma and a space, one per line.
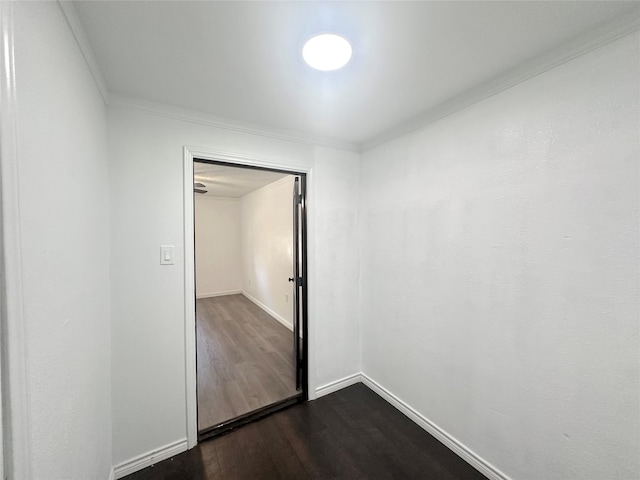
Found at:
[351, 434]
[245, 359]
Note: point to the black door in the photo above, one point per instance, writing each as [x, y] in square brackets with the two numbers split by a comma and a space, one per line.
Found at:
[299, 278]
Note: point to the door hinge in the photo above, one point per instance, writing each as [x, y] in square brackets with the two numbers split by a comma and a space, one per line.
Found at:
[299, 199]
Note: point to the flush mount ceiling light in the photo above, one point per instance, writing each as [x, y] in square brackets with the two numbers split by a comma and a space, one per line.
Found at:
[327, 52]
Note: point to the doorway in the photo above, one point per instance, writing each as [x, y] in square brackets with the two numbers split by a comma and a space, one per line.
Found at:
[251, 292]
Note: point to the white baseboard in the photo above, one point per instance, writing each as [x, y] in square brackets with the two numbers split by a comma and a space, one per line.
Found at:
[150, 458]
[338, 385]
[218, 294]
[268, 310]
[473, 459]
[449, 441]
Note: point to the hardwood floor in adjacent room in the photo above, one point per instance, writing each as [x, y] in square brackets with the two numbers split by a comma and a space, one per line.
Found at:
[245, 359]
[351, 434]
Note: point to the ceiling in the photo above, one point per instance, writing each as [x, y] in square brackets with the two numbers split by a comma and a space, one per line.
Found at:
[234, 182]
[242, 60]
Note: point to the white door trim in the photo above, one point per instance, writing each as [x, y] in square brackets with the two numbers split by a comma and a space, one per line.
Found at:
[15, 462]
[190, 153]
[190, 302]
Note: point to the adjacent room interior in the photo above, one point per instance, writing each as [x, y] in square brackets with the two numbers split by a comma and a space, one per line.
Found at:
[244, 259]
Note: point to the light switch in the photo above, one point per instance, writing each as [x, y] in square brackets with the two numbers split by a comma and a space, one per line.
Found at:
[166, 254]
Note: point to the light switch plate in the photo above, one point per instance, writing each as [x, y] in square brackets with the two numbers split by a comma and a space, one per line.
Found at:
[167, 253]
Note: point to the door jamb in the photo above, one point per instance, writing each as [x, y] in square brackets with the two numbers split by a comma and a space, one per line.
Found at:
[189, 153]
[14, 390]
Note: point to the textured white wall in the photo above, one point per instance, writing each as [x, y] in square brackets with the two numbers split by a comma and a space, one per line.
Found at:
[499, 271]
[267, 246]
[336, 247]
[63, 184]
[218, 252]
[148, 299]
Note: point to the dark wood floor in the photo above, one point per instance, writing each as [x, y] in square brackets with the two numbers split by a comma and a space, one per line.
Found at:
[350, 434]
[245, 359]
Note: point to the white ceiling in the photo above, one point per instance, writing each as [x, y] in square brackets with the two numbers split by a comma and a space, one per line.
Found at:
[224, 181]
[242, 60]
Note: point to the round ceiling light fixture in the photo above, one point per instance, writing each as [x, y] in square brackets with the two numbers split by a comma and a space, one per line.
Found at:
[327, 52]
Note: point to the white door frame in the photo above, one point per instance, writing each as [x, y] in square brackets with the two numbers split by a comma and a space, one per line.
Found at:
[15, 433]
[189, 271]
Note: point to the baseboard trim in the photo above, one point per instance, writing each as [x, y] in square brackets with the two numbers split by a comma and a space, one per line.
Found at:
[150, 458]
[473, 459]
[268, 310]
[218, 294]
[111, 474]
[338, 385]
[441, 435]
[445, 438]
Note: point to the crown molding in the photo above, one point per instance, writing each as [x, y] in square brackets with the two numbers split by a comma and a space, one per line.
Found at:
[83, 43]
[578, 46]
[206, 119]
[178, 113]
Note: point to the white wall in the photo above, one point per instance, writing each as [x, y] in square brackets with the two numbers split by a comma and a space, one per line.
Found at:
[337, 250]
[218, 252]
[63, 188]
[499, 271]
[148, 299]
[267, 246]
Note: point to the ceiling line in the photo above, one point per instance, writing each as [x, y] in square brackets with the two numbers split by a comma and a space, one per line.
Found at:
[168, 111]
[69, 12]
[269, 186]
[578, 46]
[202, 118]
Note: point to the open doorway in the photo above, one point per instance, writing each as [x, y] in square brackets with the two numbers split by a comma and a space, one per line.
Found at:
[250, 284]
